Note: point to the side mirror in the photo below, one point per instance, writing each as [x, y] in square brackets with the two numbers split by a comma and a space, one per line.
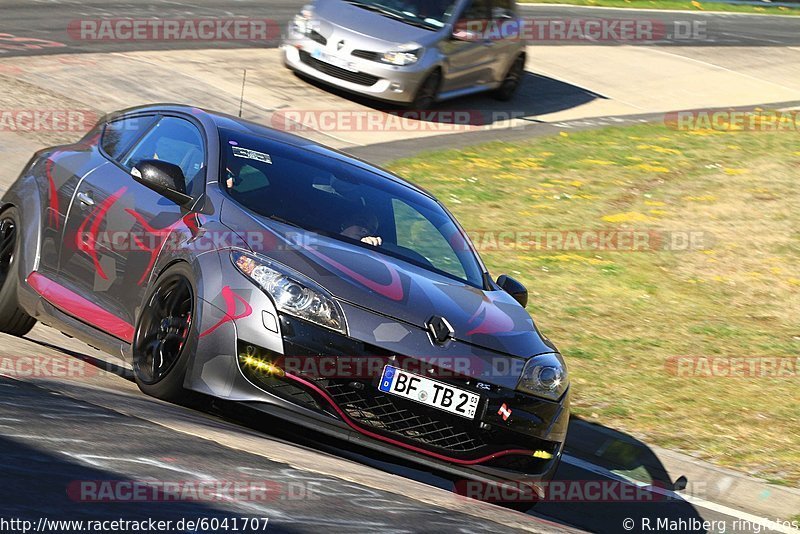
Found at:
[513, 288]
[164, 178]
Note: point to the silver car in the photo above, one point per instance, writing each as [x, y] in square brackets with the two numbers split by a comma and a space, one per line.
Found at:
[412, 52]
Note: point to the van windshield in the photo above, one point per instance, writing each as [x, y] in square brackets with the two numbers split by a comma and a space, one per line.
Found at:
[431, 14]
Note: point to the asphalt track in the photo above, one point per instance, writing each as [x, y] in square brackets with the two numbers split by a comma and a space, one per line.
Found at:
[49, 20]
[56, 430]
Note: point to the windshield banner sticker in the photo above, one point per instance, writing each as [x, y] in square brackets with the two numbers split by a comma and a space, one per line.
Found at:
[246, 153]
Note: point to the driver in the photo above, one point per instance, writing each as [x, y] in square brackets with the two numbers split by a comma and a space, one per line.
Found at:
[362, 226]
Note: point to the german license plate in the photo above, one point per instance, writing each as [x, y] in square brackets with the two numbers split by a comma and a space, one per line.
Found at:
[429, 392]
[331, 59]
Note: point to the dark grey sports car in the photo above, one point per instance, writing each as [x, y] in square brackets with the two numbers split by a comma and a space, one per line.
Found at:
[224, 258]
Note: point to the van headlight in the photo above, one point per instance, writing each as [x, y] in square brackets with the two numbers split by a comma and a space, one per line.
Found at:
[407, 54]
[303, 23]
[545, 376]
[292, 293]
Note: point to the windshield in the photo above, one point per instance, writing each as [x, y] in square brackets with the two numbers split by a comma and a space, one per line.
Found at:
[429, 13]
[339, 200]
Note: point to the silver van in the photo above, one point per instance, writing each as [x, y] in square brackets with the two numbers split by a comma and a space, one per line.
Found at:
[412, 52]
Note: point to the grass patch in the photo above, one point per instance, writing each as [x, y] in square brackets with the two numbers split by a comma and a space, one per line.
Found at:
[620, 317]
[679, 5]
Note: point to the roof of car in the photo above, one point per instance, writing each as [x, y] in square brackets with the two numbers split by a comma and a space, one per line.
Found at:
[230, 122]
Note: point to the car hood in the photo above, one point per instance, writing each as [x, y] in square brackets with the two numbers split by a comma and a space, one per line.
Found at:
[403, 291]
[366, 30]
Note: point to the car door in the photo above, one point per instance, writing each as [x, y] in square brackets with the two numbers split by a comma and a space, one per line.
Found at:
[116, 227]
[505, 38]
[469, 54]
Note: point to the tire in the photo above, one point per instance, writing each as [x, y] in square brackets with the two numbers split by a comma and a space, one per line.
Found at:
[428, 92]
[512, 81]
[167, 335]
[13, 320]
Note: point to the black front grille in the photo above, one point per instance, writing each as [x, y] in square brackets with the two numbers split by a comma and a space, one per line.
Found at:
[366, 54]
[359, 78]
[370, 407]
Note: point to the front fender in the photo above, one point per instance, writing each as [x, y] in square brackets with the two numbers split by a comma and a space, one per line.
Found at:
[26, 195]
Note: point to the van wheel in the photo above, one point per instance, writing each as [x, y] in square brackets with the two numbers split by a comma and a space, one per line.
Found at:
[512, 81]
[428, 92]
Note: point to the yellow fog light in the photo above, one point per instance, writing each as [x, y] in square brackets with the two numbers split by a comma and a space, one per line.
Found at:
[262, 365]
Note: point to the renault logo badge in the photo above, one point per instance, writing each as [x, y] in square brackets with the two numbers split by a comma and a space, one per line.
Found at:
[439, 329]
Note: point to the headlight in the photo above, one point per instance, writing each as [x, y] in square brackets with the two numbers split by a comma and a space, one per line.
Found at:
[302, 21]
[407, 54]
[292, 294]
[544, 376]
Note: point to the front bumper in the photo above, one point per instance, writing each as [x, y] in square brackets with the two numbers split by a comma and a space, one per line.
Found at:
[350, 406]
[524, 447]
[370, 78]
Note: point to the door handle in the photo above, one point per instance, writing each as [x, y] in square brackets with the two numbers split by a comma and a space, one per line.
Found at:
[85, 199]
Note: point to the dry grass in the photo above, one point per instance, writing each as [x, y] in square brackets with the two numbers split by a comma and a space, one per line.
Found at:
[620, 316]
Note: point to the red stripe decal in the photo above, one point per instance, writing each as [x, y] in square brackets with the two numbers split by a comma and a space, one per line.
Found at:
[351, 424]
[230, 309]
[80, 308]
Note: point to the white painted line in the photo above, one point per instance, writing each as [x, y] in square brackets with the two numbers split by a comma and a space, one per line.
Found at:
[702, 503]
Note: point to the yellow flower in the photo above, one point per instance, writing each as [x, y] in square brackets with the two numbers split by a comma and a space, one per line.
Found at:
[697, 4]
[652, 168]
[653, 203]
[564, 134]
[627, 217]
[659, 149]
[598, 162]
[579, 258]
[735, 172]
[657, 212]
